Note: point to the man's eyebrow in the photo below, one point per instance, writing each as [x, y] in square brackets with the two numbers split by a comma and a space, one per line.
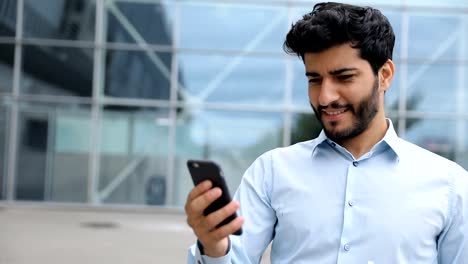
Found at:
[334, 72]
[343, 70]
[312, 74]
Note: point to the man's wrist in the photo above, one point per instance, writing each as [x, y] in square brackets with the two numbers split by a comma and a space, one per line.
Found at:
[202, 250]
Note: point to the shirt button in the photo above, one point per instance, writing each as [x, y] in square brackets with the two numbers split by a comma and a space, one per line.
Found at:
[347, 247]
[351, 203]
[333, 144]
[355, 163]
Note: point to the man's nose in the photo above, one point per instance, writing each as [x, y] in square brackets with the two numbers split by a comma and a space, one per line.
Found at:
[328, 93]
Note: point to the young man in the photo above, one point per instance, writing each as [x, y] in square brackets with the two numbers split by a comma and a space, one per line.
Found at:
[357, 193]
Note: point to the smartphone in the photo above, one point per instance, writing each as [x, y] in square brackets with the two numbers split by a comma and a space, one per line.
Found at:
[202, 170]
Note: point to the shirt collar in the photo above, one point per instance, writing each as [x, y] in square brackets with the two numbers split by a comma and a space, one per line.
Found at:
[391, 138]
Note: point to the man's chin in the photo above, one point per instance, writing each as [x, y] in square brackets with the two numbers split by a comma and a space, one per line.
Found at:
[336, 133]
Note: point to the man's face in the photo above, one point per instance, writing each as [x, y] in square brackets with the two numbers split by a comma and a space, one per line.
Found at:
[343, 91]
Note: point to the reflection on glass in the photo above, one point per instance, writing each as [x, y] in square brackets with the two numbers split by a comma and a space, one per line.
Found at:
[462, 85]
[239, 79]
[7, 54]
[138, 74]
[432, 87]
[232, 139]
[57, 71]
[435, 37]
[438, 136]
[395, 20]
[300, 95]
[4, 124]
[305, 127]
[462, 157]
[54, 142]
[8, 18]
[133, 156]
[437, 3]
[139, 23]
[234, 27]
[59, 19]
[392, 94]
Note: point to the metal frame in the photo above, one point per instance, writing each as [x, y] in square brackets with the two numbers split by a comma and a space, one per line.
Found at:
[287, 108]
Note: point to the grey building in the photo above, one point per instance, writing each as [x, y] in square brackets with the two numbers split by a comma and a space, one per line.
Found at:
[102, 102]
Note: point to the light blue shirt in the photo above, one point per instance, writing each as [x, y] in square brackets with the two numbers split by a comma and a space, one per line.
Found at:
[316, 203]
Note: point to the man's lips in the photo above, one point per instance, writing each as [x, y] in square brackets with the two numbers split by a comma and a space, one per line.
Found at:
[333, 114]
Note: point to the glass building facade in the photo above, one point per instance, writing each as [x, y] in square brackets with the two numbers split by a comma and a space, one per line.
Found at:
[103, 101]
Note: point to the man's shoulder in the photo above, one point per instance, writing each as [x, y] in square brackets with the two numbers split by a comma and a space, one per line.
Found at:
[293, 153]
[302, 147]
[414, 153]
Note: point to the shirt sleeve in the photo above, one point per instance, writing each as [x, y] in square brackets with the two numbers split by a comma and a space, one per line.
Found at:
[253, 194]
[453, 242]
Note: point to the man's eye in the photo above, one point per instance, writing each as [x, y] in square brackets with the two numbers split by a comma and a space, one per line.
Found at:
[314, 80]
[345, 77]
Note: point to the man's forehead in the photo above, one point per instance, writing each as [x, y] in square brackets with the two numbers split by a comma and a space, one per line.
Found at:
[335, 59]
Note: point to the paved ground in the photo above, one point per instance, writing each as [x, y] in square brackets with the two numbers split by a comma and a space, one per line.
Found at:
[37, 235]
[63, 234]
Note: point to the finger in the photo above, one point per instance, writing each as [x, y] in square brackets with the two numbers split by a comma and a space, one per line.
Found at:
[199, 204]
[228, 229]
[198, 190]
[215, 218]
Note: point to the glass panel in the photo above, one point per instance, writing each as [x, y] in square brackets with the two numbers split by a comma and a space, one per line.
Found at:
[234, 27]
[435, 37]
[392, 94]
[432, 87]
[437, 3]
[438, 136]
[8, 18]
[462, 88]
[7, 54]
[395, 19]
[232, 139]
[305, 127]
[57, 71]
[149, 23]
[4, 125]
[59, 19]
[300, 94]
[54, 142]
[239, 79]
[138, 74]
[462, 157]
[133, 156]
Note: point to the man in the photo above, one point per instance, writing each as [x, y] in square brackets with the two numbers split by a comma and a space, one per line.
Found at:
[355, 194]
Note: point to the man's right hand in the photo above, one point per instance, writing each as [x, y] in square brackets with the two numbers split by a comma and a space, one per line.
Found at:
[214, 240]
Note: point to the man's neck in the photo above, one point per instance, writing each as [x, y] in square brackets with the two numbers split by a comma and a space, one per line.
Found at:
[364, 142]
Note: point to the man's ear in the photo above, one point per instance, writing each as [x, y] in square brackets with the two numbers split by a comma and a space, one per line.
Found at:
[386, 73]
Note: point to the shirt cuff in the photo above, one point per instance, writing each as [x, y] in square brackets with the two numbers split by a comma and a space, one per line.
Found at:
[203, 259]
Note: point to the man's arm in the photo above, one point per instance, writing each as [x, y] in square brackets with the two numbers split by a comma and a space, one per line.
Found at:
[453, 242]
[253, 195]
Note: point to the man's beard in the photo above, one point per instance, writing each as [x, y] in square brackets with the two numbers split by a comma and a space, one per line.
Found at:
[365, 113]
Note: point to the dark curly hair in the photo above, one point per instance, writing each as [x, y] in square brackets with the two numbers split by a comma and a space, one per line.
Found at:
[330, 24]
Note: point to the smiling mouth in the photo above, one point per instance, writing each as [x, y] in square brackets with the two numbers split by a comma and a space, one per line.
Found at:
[334, 113]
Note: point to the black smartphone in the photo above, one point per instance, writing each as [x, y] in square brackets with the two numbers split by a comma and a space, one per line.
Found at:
[202, 170]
